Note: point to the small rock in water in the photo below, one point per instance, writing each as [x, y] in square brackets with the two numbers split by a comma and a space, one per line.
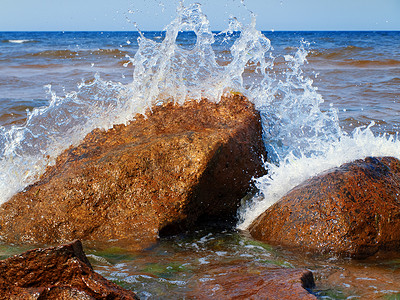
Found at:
[239, 282]
[353, 210]
[157, 175]
[62, 272]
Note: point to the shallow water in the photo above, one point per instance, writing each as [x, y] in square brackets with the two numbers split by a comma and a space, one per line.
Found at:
[176, 266]
[313, 89]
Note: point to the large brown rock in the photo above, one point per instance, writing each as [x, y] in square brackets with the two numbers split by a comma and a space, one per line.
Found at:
[241, 282]
[352, 210]
[62, 272]
[161, 172]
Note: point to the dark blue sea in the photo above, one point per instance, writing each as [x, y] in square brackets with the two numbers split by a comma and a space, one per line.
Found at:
[359, 72]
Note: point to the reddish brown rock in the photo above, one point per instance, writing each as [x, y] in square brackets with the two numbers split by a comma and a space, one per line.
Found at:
[240, 282]
[352, 210]
[62, 272]
[160, 173]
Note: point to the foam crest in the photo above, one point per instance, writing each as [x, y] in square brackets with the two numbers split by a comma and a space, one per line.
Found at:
[164, 71]
[27, 150]
[293, 169]
[290, 109]
[19, 41]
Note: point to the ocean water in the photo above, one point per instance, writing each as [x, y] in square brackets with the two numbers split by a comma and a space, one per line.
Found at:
[325, 98]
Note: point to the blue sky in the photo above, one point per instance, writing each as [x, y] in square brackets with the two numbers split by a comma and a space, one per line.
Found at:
[24, 15]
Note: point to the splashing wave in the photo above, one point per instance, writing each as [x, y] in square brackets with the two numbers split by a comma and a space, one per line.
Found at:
[301, 139]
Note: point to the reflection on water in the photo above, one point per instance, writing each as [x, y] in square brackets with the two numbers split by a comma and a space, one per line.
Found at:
[173, 268]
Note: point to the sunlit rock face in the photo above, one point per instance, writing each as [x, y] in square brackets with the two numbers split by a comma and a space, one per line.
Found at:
[352, 210]
[162, 172]
[62, 272]
[241, 282]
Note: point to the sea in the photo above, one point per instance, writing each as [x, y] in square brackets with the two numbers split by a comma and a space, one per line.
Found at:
[325, 98]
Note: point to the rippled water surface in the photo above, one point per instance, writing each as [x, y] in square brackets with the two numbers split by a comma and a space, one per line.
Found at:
[176, 266]
[358, 72]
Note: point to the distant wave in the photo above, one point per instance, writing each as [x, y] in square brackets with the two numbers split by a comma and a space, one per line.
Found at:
[38, 66]
[343, 52]
[15, 112]
[55, 54]
[392, 82]
[370, 63]
[109, 52]
[65, 54]
[19, 41]
[353, 56]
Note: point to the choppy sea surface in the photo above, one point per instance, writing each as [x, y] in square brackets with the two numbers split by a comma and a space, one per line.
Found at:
[326, 98]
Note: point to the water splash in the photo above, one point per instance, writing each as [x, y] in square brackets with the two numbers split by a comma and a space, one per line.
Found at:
[293, 169]
[302, 140]
[292, 120]
[27, 150]
[163, 71]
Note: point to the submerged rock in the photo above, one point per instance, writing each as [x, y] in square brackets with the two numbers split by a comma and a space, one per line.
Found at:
[240, 282]
[62, 272]
[352, 210]
[160, 173]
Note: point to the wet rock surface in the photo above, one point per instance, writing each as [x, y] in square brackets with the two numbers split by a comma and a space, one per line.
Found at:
[353, 210]
[160, 173]
[62, 272]
[240, 282]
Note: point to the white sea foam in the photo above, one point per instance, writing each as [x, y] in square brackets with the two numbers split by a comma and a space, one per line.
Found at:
[293, 169]
[19, 41]
[303, 141]
[27, 150]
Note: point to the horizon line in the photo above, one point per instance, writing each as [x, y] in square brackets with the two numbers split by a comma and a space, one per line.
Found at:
[262, 30]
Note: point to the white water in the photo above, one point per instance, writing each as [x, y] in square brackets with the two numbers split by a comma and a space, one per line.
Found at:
[301, 139]
[163, 71]
[293, 169]
[19, 41]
